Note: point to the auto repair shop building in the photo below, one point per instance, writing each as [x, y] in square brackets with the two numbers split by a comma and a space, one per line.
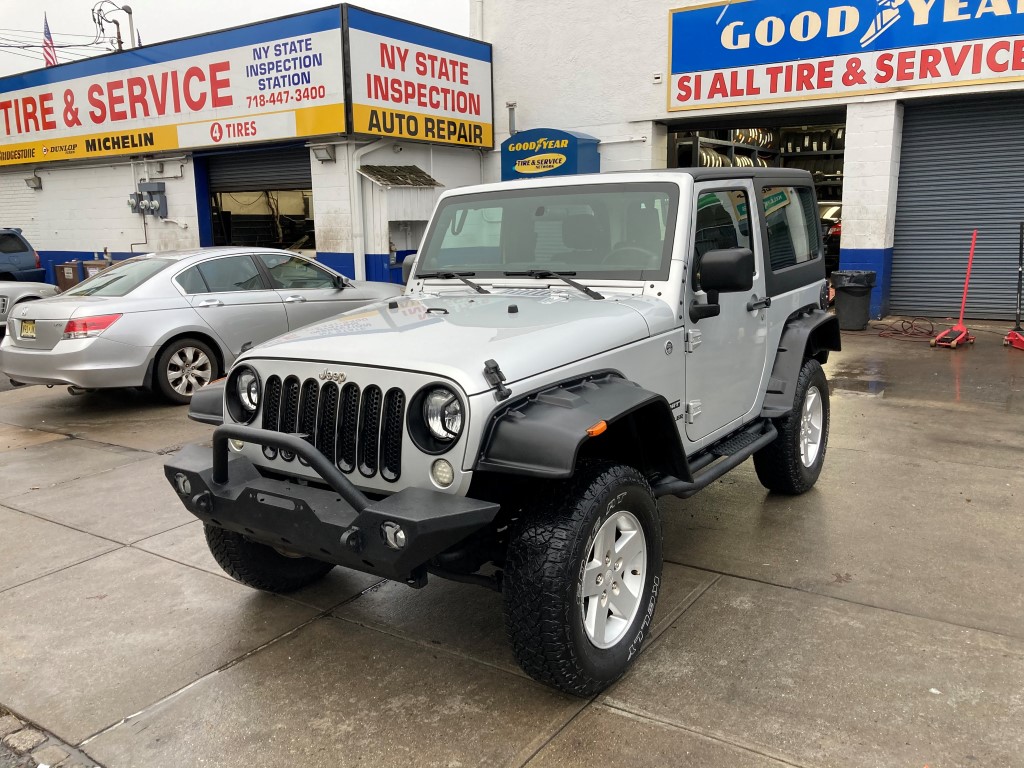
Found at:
[330, 132]
[907, 112]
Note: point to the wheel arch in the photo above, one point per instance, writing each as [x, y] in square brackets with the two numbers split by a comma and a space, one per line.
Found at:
[810, 335]
[545, 434]
[193, 333]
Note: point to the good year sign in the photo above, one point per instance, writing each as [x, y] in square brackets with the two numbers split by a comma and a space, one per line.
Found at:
[760, 51]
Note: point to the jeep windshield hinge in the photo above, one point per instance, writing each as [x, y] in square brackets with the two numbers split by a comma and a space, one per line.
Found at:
[693, 339]
[494, 377]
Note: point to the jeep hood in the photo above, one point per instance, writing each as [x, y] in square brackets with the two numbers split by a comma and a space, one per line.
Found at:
[526, 331]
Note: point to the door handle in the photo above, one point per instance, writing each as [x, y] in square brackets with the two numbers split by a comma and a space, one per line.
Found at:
[757, 304]
[295, 299]
[210, 303]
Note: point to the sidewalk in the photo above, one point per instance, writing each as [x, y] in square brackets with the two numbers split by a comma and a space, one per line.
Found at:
[876, 621]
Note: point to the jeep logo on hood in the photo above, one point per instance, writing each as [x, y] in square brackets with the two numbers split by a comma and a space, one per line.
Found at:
[329, 375]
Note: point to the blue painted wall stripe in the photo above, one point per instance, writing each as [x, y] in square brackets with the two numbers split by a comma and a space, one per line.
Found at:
[879, 261]
[417, 35]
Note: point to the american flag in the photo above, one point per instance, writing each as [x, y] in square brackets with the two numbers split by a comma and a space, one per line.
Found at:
[49, 52]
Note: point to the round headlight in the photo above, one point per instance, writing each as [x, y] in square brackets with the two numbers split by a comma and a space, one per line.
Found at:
[442, 412]
[248, 388]
[243, 394]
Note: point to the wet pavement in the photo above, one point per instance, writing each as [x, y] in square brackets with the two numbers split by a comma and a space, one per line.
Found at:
[876, 621]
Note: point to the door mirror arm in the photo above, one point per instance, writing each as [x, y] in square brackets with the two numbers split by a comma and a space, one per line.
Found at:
[712, 308]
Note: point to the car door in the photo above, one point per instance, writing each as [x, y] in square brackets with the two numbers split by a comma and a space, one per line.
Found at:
[724, 368]
[309, 292]
[231, 296]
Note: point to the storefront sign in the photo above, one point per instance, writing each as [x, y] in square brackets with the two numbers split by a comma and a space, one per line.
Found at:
[742, 52]
[416, 83]
[548, 152]
[276, 80]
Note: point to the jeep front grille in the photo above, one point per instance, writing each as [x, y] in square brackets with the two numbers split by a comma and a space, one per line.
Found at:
[3, 305]
[353, 428]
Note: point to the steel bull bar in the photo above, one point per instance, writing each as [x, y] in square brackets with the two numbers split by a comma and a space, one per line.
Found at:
[393, 537]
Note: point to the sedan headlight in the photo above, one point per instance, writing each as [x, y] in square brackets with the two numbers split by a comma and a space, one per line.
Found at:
[243, 394]
[436, 418]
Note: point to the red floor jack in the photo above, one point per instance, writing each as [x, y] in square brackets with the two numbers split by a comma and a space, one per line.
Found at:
[958, 335]
[1015, 338]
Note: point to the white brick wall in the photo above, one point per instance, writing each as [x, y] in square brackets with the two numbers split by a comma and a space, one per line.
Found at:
[332, 208]
[84, 208]
[874, 132]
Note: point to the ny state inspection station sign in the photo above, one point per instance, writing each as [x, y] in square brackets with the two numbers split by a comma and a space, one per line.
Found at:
[743, 52]
[276, 80]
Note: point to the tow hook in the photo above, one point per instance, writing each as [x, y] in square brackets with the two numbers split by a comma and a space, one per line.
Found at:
[353, 539]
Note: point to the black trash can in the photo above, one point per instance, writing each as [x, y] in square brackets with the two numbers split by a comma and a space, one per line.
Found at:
[853, 298]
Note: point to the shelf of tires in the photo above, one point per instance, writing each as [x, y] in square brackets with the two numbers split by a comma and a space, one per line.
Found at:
[819, 150]
[746, 148]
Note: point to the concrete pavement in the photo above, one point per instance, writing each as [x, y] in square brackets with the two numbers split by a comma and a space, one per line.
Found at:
[876, 621]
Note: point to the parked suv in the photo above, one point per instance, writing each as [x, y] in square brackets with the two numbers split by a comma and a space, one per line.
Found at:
[18, 260]
[566, 352]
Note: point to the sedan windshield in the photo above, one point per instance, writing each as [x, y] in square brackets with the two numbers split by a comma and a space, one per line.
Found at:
[120, 279]
[613, 231]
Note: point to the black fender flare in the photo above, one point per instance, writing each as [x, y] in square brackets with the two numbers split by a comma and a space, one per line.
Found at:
[541, 434]
[811, 335]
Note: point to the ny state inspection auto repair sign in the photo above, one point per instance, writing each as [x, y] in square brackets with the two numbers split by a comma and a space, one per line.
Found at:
[763, 51]
[275, 80]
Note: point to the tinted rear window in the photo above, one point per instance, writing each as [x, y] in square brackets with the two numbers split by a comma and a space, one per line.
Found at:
[11, 243]
[120, 279]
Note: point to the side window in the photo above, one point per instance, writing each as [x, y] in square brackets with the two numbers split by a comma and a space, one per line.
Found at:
[293, 273]
[234, 273]
[722, 221]
[191, 281]
[791, 217]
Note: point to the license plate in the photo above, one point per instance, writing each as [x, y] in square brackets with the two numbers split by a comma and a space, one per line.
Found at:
[28, 329]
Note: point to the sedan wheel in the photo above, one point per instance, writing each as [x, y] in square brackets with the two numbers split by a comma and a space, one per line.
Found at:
[184, 367]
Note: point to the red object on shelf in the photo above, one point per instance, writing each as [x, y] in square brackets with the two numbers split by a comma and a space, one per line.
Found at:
[958, 335]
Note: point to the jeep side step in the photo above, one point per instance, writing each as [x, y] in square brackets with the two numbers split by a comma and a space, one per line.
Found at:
[733, 451]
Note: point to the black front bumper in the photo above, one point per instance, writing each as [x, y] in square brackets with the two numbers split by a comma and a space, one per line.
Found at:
[337, 525]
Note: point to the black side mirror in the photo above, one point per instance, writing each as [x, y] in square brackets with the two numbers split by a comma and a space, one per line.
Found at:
[729, 270]
[407, 268]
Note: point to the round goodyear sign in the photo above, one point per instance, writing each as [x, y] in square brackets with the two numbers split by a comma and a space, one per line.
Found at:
[540, 163]
[549, 152]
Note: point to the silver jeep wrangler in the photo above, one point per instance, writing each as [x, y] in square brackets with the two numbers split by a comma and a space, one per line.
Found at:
[567, 351]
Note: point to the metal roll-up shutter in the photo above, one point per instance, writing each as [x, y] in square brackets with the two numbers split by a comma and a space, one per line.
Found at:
[287, 168]
[961, 168]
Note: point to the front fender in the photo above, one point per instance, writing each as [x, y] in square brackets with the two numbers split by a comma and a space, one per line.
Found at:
[541, 434]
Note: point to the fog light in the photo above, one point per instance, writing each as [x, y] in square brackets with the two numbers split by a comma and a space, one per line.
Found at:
[394, 536]
[441, 472]
[236, 445]
[182, 484]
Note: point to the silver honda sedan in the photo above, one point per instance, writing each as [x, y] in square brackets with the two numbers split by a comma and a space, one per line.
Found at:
[173, 321]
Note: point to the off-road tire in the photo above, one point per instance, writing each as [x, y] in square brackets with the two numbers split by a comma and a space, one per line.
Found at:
[779, 466]
[259, 566]
[543, 579]
[160, 378]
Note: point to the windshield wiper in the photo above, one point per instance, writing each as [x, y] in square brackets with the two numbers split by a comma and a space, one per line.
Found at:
[456, 276]
[540, 274]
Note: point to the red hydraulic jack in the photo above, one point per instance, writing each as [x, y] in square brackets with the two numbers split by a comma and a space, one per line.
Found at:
[1015, 338]
[958, 335]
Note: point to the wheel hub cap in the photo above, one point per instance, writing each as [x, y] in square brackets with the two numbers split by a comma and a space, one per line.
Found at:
[188, 369]
[811, 421]
[613, 579]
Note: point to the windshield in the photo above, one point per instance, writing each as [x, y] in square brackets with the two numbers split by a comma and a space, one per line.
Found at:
[613, 231]
[120, 279]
